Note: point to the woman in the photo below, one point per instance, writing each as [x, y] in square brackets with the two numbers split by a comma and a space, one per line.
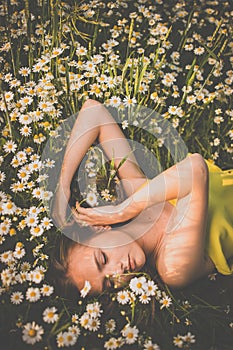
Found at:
[183, 241]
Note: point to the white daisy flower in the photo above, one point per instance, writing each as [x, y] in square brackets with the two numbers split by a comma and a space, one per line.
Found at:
[49, 163]
[165, 302]
[33, 294]
[125, 124]
[21, 156]
[94, 309]
[24, 71]
[74, 318]
[34, 210]
[37, 276]
[46, 223]
[168, 79]
[31, 220]
[172, 110]
[127, 101]
[37, 231]
[50, 315]
[111, 344]
[69, 338]
[23, 175]
[74, 330]
[16, 298]
[81, 51]
[60, 340]
[10, 146]
[189, 338]
[199, 50]
[150, 287]
[91, 199]
[25, 266]
[144, 298]
[25, 131]
[46, 290]
[19, 252]
[56, 52]
[7, 256]
[86, 289]
[123, 297]
[8, 96]
[38, 192]
[8, 208]
[15, 162]
[115, 101]
[2, 177]
[130, 334]
[110, 325]
[178, 341]
[148, 345]
[84, 320]
[93, 324]
[137, 284]
[26, 101]
[8, 277]
[191, 99]
[32, 333]
[4, 228]
[25, 119]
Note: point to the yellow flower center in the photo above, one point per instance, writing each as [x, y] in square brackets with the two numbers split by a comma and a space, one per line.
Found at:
[32, 333]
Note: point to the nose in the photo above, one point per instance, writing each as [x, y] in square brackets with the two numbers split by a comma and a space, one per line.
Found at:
[115, 269]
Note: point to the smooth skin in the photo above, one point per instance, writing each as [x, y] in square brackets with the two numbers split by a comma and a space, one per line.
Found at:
[171, 239]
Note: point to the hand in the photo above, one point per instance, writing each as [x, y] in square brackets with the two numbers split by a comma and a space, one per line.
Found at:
[60, 205]
[99, 216]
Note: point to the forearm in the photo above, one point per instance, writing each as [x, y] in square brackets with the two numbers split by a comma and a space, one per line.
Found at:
[85, 131]
[174, 183]
[187, 177]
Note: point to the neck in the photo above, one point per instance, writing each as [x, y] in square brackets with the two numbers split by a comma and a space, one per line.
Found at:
[147, 228]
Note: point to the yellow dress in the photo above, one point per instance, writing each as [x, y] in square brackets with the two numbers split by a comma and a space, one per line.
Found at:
[219, 238]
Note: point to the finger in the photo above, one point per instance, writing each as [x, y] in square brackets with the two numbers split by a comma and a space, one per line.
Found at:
[99, 229]
[83, 216]
[82, 210]
[81, 219]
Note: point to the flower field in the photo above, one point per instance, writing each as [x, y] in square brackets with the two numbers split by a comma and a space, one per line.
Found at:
[173, 57]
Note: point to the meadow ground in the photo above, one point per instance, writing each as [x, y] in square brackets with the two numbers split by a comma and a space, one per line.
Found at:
[173, 57]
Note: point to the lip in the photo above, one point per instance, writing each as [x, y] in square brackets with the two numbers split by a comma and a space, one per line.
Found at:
[131, 264]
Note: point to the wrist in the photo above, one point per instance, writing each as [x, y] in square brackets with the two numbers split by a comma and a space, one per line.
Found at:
[128, 209]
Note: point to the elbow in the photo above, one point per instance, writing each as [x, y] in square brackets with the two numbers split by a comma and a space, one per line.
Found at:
[200, 167]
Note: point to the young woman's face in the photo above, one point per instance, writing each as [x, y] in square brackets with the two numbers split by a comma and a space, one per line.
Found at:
[107, 255]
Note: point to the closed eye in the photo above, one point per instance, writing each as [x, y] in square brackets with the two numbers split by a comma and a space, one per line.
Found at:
[103, 258]
[100, 259]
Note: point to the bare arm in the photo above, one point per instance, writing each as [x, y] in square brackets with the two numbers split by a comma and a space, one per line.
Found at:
[94, 122]
[178, 181]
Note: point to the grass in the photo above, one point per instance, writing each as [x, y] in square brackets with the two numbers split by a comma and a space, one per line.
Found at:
[154, 64]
